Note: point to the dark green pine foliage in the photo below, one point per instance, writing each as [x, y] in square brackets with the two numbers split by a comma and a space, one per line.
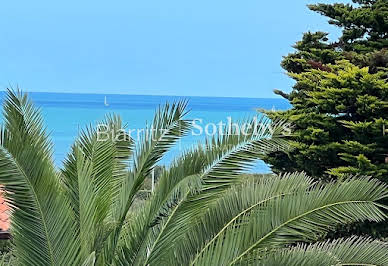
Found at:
[340, 99]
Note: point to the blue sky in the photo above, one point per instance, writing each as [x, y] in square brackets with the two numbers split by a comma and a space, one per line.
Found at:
[170, 47]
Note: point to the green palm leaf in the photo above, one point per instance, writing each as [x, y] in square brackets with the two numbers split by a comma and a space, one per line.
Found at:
[88, 213]
[172, 184]
[236, 206]
[41, 218]
[109, 157]
[168, 126]
[227, 156]
[351, 251]
[297, 217]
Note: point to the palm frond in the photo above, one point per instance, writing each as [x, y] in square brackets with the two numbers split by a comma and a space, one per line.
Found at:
[304, 216]
[227, 156]
[88, 214]
[172, 184]
[351, 251]
[100, 175]
[109, 157]
[41, 214]
[168, 126]
[237, 204]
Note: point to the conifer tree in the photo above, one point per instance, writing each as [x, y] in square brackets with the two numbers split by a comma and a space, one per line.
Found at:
[340, 99]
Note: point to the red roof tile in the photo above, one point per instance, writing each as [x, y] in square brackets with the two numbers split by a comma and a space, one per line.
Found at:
[4, 214]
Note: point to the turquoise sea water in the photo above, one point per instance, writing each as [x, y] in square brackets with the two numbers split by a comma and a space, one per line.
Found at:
[66, 113]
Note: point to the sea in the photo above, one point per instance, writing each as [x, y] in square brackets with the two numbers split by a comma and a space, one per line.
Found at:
[66, 114]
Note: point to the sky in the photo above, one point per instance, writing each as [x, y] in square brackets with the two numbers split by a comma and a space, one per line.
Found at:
[152, 47]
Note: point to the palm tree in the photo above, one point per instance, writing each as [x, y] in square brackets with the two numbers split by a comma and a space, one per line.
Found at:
[203, 211]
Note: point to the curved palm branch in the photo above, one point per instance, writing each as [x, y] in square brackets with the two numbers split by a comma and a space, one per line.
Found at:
[109, 155]
[92, 176]
[227, 157]
[303, 216]
[168, 126]
[41, 219]
[351, 251]
[237, 205]
[173, 183]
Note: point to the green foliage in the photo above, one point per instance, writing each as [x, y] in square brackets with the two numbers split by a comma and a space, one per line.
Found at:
[6, 254]
[365, 26]
[203, 210]
[340, 98]
[352, 251]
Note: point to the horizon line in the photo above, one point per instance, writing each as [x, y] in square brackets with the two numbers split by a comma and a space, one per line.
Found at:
[163, 95]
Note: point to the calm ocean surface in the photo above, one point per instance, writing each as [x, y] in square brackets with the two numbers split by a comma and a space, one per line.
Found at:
[66, 113]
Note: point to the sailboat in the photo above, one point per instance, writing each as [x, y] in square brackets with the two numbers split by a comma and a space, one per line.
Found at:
[105, 102]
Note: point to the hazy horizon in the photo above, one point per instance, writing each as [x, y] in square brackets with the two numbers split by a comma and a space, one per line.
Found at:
[136, 94]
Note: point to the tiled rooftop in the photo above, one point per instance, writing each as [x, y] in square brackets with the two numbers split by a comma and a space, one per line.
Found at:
[4, 214]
